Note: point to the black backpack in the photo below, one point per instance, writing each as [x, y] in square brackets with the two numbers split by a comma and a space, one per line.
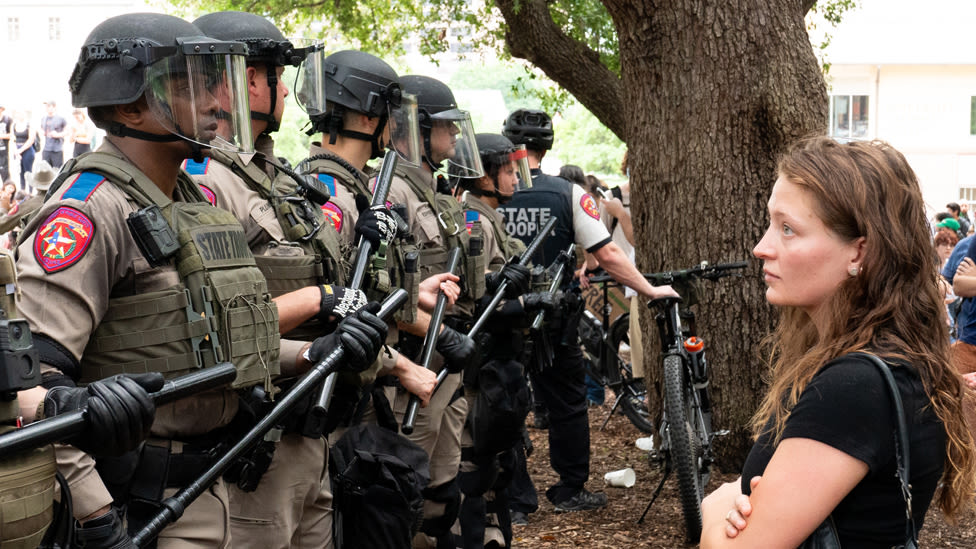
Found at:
[498, 413]
[378, 478]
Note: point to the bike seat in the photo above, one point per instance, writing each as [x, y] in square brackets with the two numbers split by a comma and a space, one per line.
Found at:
[663, 302]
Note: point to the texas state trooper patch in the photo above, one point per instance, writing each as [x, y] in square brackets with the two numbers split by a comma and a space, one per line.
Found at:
[62, 239]
[589, 206]
[209, 194]
[334, 214]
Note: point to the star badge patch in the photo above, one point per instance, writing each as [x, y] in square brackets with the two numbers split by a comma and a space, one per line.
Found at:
[589, 206]
[62, 239]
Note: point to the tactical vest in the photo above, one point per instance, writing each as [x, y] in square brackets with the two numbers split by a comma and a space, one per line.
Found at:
[26, 478]
[509, 246]
[220, 311]
[451, 222]
[304, 226]
[388, 269]
[530, 209]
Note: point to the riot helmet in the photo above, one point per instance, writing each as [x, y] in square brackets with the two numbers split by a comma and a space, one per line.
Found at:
[447, 131]
[529, 127]
[500, 159]
[185, 76]
[265, 46]
[358, 82]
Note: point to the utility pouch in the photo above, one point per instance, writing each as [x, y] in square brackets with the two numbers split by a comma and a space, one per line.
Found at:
[26, 496]
[411, 283]
[476, 262]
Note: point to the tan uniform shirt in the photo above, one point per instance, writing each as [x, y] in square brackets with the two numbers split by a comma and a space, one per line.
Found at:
[422, 221]
[82, 254]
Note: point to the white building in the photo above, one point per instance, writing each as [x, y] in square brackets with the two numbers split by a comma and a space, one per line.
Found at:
[905, 72]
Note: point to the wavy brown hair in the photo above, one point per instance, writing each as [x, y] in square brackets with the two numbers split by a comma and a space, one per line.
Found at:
[891, 308]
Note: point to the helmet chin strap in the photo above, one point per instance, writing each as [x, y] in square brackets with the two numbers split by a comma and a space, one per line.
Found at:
[273, 123]
[119, 129]
[496, 193]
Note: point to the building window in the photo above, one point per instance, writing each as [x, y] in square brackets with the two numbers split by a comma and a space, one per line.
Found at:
[13, 29]
[54, 28]
[967, 194]
[972, 115]
[849, 116]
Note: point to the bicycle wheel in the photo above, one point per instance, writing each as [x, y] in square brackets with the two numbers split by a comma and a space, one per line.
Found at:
[632, 401]
[684, 445]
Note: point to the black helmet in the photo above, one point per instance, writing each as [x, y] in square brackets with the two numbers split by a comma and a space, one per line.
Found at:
[496, 151]
[160, 56]
[266, 45]
[529, 127]
[355, 81]
[436, 106]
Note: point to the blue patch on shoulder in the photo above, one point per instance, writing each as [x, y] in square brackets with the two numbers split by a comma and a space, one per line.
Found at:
[83, 186]
[193, 167]
[329, 182]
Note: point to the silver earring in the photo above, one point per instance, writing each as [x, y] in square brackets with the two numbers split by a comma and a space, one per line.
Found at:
[854, 270]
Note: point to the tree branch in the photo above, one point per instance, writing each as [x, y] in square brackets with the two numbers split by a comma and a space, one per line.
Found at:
[532, 35]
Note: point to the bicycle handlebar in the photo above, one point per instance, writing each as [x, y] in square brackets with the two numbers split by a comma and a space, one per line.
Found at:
[704, 270]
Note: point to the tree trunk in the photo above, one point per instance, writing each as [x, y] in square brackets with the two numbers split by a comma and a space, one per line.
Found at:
[713, 92]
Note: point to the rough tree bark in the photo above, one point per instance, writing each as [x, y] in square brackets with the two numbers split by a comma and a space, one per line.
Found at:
[711, 92]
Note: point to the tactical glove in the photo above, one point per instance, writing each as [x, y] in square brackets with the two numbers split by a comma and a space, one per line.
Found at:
[376, 223]
[104, 532]
[518, 278]
[118, 411]
[339, 302]
[456, 348]
[541, 301]
[361, 336]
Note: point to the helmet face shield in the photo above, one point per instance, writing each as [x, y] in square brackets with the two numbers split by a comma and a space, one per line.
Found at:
[310, 81]
[452, 139]
[521, 158]
[404, 130]
[202, 97]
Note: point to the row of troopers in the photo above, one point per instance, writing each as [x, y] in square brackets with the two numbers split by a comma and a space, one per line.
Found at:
[127, 270]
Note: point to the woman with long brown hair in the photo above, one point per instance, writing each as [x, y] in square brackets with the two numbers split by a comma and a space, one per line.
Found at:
[848, 260]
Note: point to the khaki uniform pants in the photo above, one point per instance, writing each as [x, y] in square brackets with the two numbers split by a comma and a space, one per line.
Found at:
[204, 525]
[292, 506]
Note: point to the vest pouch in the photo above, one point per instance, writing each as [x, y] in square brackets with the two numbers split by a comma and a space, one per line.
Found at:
[8, 287]
[407, 278]
[476, 262]
[150, 332]
[287, 268]
[26, 496]
[248, 325]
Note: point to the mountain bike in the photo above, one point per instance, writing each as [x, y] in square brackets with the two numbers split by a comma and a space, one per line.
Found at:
[601, 348]
[685, 431]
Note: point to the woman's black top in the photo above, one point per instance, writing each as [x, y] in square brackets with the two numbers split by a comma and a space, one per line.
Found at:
[847, 405]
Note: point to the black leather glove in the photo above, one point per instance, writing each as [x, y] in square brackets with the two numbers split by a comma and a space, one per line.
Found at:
[518, 278]
[375, 224]
[118, 411]
[338, 302]
[541, 301]
[361, 336]
[456, 348]
[104, 532]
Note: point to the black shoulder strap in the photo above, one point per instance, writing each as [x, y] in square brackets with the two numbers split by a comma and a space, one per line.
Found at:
[901, 447]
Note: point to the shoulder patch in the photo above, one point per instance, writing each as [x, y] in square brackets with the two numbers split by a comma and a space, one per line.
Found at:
[62, 239]
[589, 206]
[334, 214]
[329, 182]
[83, 186]
[193, 167]
[470, 216]
[209, 194]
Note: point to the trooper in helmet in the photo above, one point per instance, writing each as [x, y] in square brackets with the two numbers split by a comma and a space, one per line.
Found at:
[287, 499]
[562, 389]
[488, 442]
[149, 277]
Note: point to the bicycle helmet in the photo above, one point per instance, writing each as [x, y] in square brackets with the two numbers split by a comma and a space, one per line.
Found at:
[529, 127]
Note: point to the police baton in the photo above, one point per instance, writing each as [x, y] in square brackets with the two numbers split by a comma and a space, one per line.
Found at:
[173, 507]
[557, 281]
[54, 429]
[430, 341]
[524, 260]
[363, 254]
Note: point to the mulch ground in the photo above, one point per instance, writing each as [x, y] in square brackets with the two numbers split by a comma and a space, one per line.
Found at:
[616, 524]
